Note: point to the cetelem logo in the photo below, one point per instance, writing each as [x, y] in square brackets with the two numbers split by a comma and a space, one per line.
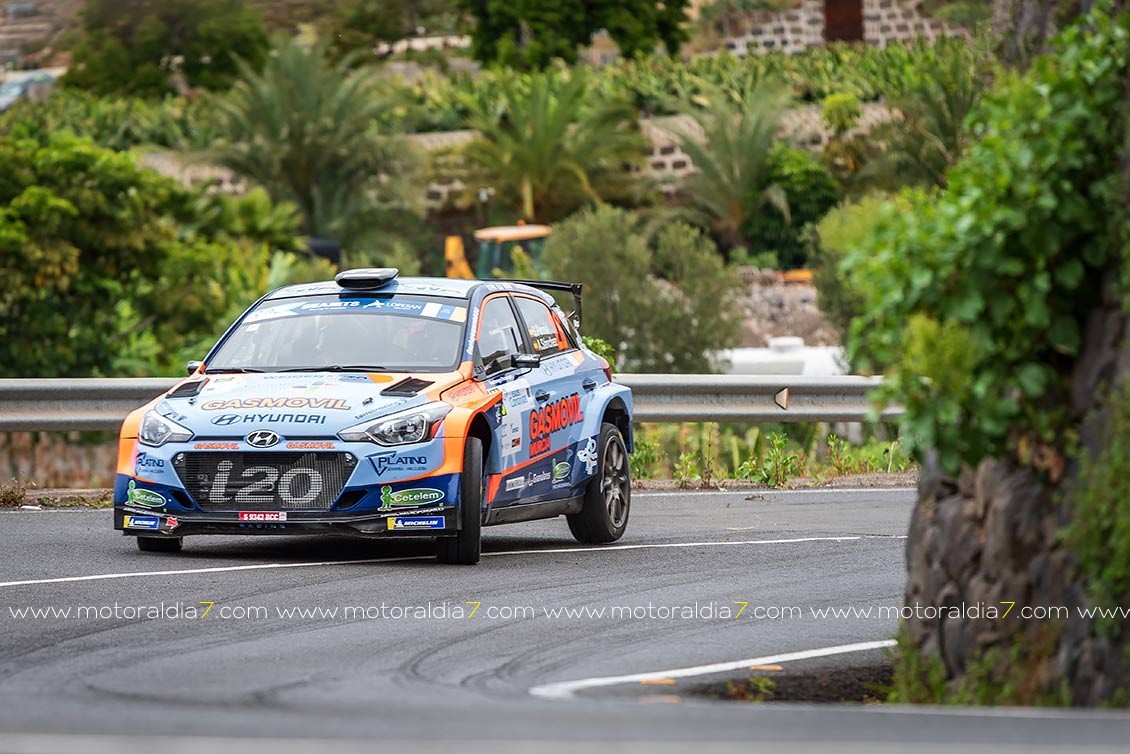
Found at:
[148, 498]
[408, 498]
[561, 471]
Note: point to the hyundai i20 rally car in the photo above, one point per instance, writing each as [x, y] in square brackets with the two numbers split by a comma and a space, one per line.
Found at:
[384, 407]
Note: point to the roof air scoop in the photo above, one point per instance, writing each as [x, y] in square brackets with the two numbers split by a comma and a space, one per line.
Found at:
[366, 278]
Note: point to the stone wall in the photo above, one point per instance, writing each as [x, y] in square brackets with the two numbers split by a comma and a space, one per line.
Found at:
[884, 22]
[993, 536]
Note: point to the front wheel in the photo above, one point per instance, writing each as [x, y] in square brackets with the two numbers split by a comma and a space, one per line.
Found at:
[159, 544]
[604, 516]
[464, 548]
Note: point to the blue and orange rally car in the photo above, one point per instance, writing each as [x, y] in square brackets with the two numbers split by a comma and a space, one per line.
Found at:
[384, 407]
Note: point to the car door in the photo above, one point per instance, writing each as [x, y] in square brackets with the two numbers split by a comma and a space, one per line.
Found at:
[561, 394]
[500, 338]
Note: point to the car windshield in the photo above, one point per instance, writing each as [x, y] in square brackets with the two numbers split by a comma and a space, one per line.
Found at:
[393, 333]
[11, 88]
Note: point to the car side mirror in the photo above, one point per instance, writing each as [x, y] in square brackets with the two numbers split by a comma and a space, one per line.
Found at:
[192, 366]
[526, 360]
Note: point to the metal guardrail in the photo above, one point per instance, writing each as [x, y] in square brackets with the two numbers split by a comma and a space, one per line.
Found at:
[752, 398]
[101, 404]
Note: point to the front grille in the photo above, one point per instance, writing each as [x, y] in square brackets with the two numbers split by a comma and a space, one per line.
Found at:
[264, 480]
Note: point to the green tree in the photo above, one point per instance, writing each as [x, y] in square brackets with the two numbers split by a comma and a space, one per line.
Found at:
[97, 256]
[145, 47]
[664, 307]
[810, 191]
[1008, 261]
[928, 134]
[303, 129]
[731, 154]
[531, 34]
[546, 148]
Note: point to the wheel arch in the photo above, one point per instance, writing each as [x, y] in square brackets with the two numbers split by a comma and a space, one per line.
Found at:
[616, 413]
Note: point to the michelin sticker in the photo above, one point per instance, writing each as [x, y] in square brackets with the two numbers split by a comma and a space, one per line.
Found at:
[142, 522]
[416, 522]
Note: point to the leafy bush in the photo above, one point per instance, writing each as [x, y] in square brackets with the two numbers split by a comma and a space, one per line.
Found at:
[115, 123]
[1099, 533]
[811, 191]
[96, 255]
[990, 283]
[842, 230]
[136, 46]
[841, 113]
[663, 309]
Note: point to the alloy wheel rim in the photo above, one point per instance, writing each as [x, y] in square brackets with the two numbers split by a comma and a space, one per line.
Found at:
[615, 481]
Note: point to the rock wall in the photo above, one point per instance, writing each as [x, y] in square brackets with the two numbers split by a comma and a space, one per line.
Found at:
[792, 30]
[993, 536]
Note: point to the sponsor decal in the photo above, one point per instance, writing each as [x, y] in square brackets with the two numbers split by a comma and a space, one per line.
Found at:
[393, 461]
[561, 471]
[516, 442]
[354, 378]
[263, 438]
[537, 478]
[404, 307]
[216, 446]
[557, 365]
[587, 456]
[556, 416]
[408, 498]
[331, 404]
[416, 522]
[415, 511]
[518, 483]
[148, 498]
[321, 306]
[146, 461]
[262, 516]
[142, 522]
[463, 393]
[309, 445]
[226, 420]
[171, 523]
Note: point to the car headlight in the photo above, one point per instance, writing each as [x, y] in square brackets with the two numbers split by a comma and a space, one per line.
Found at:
[414, 425]
[158, 430]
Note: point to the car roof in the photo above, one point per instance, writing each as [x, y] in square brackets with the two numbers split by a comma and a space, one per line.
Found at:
[447, 287]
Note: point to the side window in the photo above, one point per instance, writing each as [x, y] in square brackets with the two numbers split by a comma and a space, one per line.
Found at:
[499, 337]
[546, 332]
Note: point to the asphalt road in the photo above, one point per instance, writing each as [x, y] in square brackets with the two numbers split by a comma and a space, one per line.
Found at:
[104, 683]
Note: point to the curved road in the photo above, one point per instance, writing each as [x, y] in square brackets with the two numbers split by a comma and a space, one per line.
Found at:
[273, 660]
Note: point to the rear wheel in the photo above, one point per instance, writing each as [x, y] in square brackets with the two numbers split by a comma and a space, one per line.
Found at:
[159, 544]
[464, 548]
[608, 497]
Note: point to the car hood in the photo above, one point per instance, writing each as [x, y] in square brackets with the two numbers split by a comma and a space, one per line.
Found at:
[308, 404]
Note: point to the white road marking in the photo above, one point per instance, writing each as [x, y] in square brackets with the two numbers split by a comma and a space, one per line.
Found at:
[320, 564]
[566, 689]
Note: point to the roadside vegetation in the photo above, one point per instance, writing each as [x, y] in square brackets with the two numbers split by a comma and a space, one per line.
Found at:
[707, 455]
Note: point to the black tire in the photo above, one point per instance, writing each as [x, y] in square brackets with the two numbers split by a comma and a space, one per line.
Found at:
[608, 496]
[465, 547]
[159, 544]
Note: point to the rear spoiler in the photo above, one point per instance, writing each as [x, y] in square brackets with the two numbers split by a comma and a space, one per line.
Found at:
[551, 285]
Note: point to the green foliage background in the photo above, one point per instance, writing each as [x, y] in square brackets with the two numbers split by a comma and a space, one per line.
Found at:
[975, 300]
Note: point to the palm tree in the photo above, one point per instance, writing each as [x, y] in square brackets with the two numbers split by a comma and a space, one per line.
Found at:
[304, 130]
[731, 157]
[927, 133]
[546, 149]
